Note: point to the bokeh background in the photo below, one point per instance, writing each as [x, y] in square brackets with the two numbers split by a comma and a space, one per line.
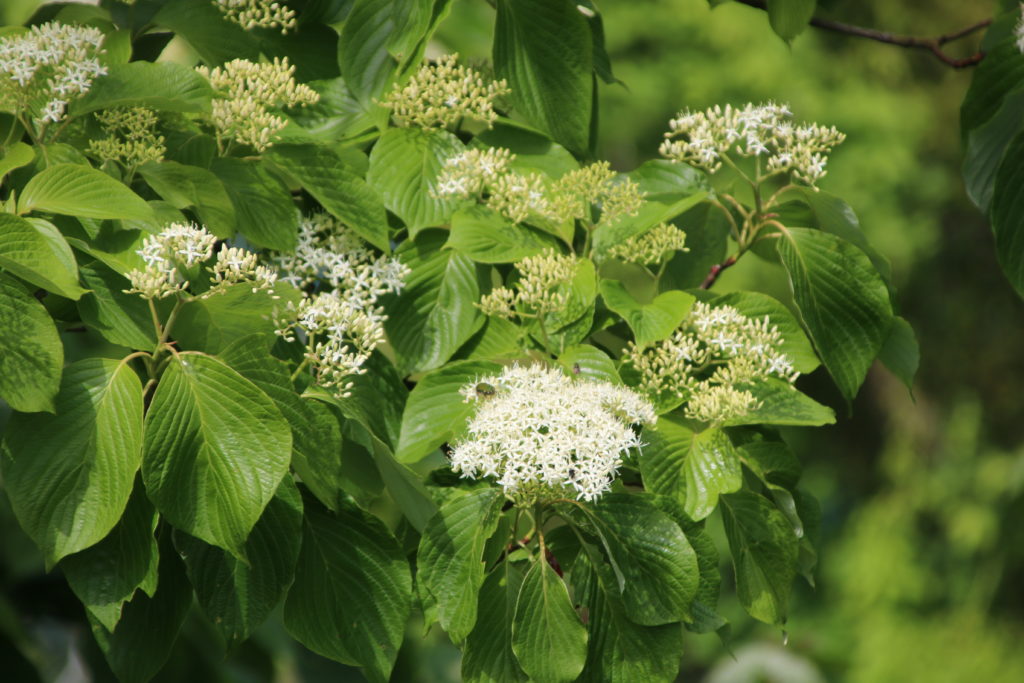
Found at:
[921, 574]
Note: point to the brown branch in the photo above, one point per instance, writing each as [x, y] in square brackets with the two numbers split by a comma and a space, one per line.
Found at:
[933, 45]
[716, 270]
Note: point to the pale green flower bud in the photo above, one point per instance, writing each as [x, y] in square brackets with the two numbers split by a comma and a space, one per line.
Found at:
[651, 247]
[131, 137]
[442, 94]
[250, 14]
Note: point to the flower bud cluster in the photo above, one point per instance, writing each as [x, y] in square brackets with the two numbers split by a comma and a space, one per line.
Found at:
[131, 137]
[544, 435]
[48, 66]
[342, 323]
[539, 290]
[576, 192]
[250, 14]
[702, 138]
[710, 359]
[234, 266]
[651, 247]
[246, 92]
[442, 94]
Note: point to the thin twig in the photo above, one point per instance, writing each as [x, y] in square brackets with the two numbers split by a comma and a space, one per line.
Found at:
[933, 45]
[716, 270]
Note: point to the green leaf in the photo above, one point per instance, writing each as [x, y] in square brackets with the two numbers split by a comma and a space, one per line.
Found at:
[842, 300]
[668, 181]
[106, 575]
[985, 148]
[450, 559]
[544, 49]
[238, 597]
[404, 166]
[653, 212]
[164, 86]
[142, 641]
[789, 18]
[264, 210]
[589, 362]
[81, 191]
[497, 338]
[774, 464]
[486, 236]
[328, 177]
[764, 552]
[435, 411]
[1000, 73]
[31, 353]
[352, 593]
[376, 399]
[487, 655]
[548, 638]
[650, 322]
[707, 236]
[191, 187]
[435, 314]
[208, 31]
[900, 353]
[534, 151]
[795, 344]
[693, 467]
[35, 251]
[18, 154]
[782, 404]
[1007, 219]
[69, 475]
[216, 448]
[121, 318]
[211, 324]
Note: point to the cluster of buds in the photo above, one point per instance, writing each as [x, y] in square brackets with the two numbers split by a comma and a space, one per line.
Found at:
[766, 130]
[442, 94]
[131, 137]
[179, 252]
[339, 319]
[250, 14]
[45, 68]
[651, 247]
[575, 193]
[544, 435]
[540, 289]
[710, 360]
[246, 93]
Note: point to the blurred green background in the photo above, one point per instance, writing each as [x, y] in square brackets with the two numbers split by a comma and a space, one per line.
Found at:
[921, 576]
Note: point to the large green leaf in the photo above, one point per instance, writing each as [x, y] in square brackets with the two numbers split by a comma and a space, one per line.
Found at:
[376, 399]
[352, 593]
[650, 322]
[901, 353]
[450, 559]
[69, 475]
[986, 146]
[548, 638]
[487, 655]
[486, 236]
[192, 187]
[782, 404]
[121, 318]
[163, 86]
[795, 344]
[264, 210]
[789, 18]
[31, 353]
[216, 448]
[693, 467]
[81, 191]
[764, 552]
[1001, 72]
[435, 313]
[589, 362]
[544, 49]
[435, 411]
[842, 300]
[1007, 216]
[238, 597]
[666, 180]
[35, 251]
[211, 324]
[208, 31]
[330, 179]
[16, 155]
[404, 166]
[107, 574]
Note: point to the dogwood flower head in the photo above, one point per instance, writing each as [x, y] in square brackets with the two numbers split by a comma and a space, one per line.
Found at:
[576, 191]
[234, 266]
[442, 94]
[250, 14]
[131, 136]
[519, 197]
[710, 360]
[544, 435]
[765, 130]
[651, 247]
[539, 289]
[48, 66]
[246, 92]
[473, 171]
[178, 247]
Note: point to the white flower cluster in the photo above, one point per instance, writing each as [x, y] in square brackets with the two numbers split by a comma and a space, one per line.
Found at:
[651, 247]
[710, 359]
[181, 249]
[342, 323]
[131, 136]
[250, 14]
[765, 130]
[49, 66]
[576, 192]
[246, 92]
[539, 290]
[544, 435]
[1018, 30]
[442, 94]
